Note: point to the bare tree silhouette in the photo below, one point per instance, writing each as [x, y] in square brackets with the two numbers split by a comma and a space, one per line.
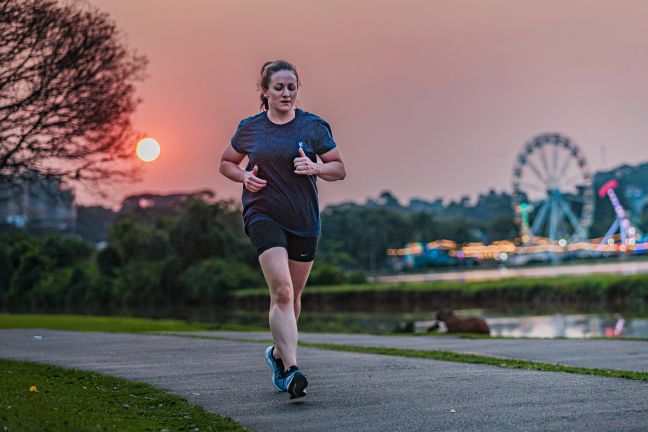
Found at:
[66, 94]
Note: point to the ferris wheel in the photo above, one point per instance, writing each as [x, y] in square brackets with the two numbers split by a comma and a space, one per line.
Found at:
[552, 183]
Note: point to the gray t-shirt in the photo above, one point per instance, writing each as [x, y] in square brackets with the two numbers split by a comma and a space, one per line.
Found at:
[289, 199]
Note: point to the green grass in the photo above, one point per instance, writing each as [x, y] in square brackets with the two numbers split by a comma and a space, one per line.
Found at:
[69, 399]
[594, 284]
[456, 357]
[109, 324]
[484, 360]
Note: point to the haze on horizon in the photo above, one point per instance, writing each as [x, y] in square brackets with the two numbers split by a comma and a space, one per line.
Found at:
[425, 98]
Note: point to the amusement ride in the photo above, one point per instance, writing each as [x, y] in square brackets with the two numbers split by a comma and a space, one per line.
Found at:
[553, 200]
[552, 185]
[628, 233]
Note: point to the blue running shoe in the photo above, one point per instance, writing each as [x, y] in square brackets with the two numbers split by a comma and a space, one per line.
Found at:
[277, 367]
[295, 383]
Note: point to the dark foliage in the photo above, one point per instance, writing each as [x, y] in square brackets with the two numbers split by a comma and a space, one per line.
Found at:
[66, 92]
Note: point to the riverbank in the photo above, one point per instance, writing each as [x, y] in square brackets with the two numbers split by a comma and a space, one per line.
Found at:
[594, 291]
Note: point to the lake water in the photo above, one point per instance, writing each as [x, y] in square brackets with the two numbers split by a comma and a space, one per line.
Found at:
[563, 326]
[556, 325]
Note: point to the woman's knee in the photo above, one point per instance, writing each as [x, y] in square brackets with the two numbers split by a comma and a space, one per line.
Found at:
[282, 294]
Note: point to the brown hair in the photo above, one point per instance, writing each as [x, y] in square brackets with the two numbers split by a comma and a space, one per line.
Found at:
[267, 70]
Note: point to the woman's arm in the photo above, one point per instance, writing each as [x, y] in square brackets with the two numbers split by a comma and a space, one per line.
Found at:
[229, 167]
[330, 169]
[229, 164]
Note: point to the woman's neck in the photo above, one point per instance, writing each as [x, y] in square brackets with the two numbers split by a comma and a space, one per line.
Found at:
[280, 117]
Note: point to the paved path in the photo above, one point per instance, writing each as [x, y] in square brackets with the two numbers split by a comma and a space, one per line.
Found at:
[348, 391]
[613, 267]
[601, 354]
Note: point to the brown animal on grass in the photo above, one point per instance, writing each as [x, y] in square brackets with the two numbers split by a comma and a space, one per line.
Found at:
[456, 324]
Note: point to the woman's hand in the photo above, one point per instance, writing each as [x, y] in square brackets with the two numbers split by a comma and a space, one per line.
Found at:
[252, 182]
[305, 166]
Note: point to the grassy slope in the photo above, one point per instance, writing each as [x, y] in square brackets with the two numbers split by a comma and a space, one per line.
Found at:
[590, 283]
[105, 324]
[69, 399]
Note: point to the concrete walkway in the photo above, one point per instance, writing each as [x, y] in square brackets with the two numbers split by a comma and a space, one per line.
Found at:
[348, 391]
[600, 354]
[574, 269]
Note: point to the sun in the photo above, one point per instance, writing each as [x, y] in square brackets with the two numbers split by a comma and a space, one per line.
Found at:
[148, 149]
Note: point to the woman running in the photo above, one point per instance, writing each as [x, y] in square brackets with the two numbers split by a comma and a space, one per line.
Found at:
[280, 205]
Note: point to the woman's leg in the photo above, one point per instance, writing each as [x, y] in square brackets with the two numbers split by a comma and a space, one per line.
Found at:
[299, 272]
[283, 324]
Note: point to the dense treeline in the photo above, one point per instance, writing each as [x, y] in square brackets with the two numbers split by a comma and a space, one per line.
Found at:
[198, 253]
[365, 233]
[193, 257]
[195, 254]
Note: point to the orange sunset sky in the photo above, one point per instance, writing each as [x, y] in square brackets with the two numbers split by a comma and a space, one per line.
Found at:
[425, 98]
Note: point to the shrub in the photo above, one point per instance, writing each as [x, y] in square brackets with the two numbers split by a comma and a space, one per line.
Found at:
[62, 287]
[325, 274]
[170, 285]
[213, 278]
[138, 283]
[100, 293]
[6, 272]
[77, 284]
[32, 268]
[204, 231]
[357, 277]
[49, 291]
[138, 241]
[65, 251]
[108, 260]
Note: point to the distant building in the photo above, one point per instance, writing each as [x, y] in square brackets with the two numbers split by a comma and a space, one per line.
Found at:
[164, 202]
[34, 202]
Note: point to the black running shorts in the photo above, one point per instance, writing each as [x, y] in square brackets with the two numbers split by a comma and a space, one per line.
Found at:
[267, 234]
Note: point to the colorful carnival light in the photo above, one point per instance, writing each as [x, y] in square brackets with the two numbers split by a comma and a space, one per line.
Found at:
[627, 232]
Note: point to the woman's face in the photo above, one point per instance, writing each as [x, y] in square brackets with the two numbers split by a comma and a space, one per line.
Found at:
[282, 91]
